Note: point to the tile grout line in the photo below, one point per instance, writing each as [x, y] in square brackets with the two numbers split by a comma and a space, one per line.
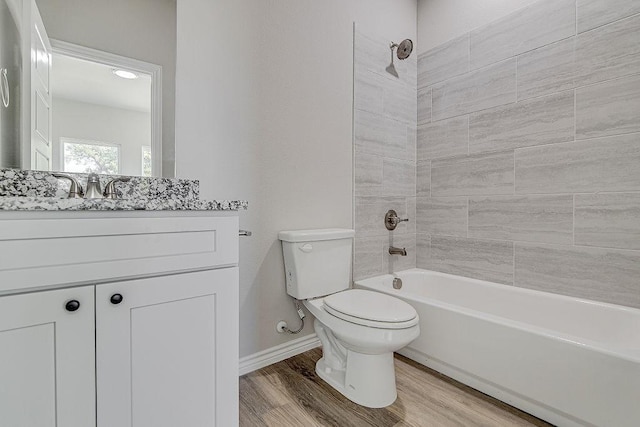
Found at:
[575, 18]
[634, 15]
[514, 242]
[517, 97]
[514, 172]
[573, 228]
[514, 263]
[468, 214]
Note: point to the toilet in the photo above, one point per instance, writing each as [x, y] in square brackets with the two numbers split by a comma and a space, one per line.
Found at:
[359, 329]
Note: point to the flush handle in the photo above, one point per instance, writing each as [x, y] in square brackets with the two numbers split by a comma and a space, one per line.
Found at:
[306, 248]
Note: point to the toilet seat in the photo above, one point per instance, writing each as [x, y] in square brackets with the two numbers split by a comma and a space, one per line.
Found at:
[372, 309]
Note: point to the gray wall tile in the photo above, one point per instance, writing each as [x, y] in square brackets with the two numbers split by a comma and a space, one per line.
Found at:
[546, 70]
[541, 23]
[399, 178]
[368, 91]
[608, 220]
[605, 164]
[370, 211]
[545, 219]
[446, 216]
[368, 174]
[443, 62]
[594, 13]
[600, 274]
[608, 52]
[481, 259]
[400, 102]
[484, 88]
[519, 162]
[609, 108]
[424, 105]
[444, 138]
[367, 257]
[423, 178]
[412, 140]
[376, 134]
[410, 227]
[473, 175]
[368, 55]
[537, 121]
[423, 250]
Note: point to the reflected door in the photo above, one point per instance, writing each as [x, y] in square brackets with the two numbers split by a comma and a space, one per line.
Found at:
[41, 133]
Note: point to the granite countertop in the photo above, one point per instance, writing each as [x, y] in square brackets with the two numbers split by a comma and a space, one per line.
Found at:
[24, 190]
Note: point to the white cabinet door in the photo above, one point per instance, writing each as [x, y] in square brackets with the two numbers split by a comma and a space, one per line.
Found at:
[167, 353]
[47, 369]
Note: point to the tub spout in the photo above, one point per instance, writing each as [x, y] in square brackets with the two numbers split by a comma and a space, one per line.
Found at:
[397, 251]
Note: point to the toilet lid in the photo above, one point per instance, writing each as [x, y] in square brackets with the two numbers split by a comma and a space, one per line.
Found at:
[368, 305]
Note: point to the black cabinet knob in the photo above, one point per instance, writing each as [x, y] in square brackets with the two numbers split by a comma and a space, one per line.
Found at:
[72, 305]
[116, 299]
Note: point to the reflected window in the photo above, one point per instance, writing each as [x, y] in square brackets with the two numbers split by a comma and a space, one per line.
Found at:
[146, 160]
[90, 156]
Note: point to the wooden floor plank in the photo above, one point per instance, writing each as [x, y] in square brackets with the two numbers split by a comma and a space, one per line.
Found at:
[289, 393]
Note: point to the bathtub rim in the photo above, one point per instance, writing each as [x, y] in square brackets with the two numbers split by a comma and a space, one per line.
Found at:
[548, 333]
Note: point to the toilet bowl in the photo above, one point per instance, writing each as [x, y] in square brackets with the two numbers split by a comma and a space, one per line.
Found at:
[359, 329]
[357, 354]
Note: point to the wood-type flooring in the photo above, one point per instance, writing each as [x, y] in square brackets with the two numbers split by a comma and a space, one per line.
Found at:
[290, 394]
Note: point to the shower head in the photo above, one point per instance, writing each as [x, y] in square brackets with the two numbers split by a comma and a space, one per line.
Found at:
[404, 48]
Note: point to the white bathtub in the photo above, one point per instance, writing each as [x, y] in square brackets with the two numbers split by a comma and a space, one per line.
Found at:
[569, 361]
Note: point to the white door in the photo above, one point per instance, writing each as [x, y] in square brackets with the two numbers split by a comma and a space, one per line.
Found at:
[167, 351]
[47, 359]
[41, 130]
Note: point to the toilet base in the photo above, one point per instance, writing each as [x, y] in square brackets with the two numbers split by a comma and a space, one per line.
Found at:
[368, 380]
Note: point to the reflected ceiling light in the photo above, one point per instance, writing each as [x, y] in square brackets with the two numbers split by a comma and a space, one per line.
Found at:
[125, 74]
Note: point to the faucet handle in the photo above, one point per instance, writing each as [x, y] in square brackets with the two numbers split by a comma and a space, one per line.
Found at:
[391, 220]
[75, 189]
[110, 188]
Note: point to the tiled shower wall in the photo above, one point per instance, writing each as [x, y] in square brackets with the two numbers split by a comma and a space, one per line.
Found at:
[528, 153]
[384, 156]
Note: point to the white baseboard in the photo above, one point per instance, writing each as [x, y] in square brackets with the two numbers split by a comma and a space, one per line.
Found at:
[276, 354]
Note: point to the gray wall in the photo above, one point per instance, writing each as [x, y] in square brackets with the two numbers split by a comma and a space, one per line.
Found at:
[528, 152]
[140, 29]
[264, 113]
[384, 155]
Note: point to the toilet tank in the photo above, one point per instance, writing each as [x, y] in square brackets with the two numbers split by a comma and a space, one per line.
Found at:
[317, 262]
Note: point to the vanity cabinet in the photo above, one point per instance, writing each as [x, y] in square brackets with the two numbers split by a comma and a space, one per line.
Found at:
[129, 322]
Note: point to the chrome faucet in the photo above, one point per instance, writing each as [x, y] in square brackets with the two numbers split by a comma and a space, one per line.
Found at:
[397, 251]
[75, 189]
[93, 187]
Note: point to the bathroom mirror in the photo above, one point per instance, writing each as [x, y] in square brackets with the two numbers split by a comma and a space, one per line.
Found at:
[107, 105]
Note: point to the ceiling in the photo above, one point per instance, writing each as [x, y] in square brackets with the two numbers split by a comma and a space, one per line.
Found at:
[94, 83]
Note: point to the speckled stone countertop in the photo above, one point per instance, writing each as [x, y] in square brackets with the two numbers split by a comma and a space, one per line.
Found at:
[25, 190]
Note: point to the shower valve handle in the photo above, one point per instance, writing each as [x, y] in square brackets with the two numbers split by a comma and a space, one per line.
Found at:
[391, 220]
